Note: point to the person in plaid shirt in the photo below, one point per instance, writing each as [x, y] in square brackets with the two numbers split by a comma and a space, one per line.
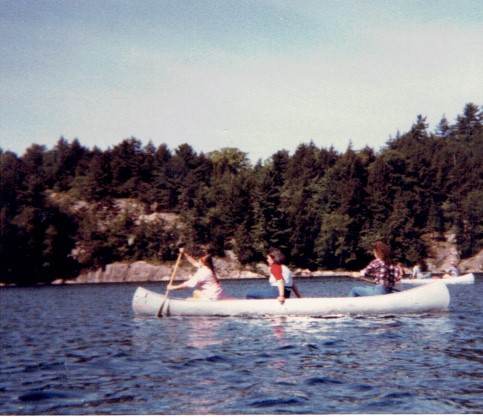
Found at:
[385, 273]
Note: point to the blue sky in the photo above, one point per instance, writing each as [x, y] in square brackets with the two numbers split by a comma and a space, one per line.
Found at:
[260, 75]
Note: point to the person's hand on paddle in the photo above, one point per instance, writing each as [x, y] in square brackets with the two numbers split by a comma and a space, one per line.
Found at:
[176, 287]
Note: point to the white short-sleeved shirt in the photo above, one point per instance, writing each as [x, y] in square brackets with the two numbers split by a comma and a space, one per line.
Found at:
[209, 286]
[284, 271]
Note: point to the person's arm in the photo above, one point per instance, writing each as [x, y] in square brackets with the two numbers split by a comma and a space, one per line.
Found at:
[281, 291]
[192, 282]
[370, 269]
[177, 287]
[276, 271]
[190, 259]
[296, 290]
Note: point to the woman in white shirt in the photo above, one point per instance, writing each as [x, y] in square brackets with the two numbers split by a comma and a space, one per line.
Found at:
[205, 278]
[280, 280]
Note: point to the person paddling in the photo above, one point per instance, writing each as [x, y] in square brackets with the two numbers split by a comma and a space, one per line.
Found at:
[386, 274]
[205, 278]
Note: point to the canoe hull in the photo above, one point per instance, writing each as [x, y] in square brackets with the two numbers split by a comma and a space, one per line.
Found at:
[433, 297]
[463, 279]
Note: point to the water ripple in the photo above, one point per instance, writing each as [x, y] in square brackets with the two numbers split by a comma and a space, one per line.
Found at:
[87, 359]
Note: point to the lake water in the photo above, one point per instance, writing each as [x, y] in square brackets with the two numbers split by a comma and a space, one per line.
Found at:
[80, 350]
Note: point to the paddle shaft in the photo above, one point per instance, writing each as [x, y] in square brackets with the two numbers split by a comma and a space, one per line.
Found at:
[359, 278]
[170, 282]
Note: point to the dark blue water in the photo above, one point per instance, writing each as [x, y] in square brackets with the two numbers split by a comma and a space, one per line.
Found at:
[80, 350]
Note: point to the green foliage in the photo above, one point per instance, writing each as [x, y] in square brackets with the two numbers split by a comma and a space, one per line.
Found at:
[322, 208]
[231, 159]
[332, 242]
[471, 237]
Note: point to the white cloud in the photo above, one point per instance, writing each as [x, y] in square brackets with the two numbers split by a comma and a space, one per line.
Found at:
[362, 81]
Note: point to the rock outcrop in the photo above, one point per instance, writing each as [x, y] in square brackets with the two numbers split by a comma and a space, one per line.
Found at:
[229, 267]
[125, 272]
[142, 271]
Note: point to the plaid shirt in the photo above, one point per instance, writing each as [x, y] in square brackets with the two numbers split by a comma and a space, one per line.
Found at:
[385, 275]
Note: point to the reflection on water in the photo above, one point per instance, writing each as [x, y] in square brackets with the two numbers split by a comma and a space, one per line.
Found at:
[94, 357]
[202, 332]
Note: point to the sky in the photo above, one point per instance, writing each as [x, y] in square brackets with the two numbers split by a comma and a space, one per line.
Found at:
[257, 75]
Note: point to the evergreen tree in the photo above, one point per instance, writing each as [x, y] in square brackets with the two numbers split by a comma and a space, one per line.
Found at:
[341, 195]
[186, 173]
[146, 172]
[443, 130]
[126, 161]
[303, 170]
[61, 163]
[321, 208]
[469, 124]
[12, 174]
[164, 194]
[270, 226]
[471, 240]
[332, 248]
[96, 185]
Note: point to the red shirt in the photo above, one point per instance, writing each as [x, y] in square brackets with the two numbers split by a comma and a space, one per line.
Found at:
[276, 271]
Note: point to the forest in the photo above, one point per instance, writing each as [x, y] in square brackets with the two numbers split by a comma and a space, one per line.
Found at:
[62, 209]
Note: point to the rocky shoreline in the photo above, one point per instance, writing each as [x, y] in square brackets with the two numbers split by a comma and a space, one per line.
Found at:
[142, 271]
[227, 268]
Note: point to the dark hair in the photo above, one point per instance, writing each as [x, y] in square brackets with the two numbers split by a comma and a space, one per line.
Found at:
[383, 252]
[423, 265]
[207, 261]
[277, 255]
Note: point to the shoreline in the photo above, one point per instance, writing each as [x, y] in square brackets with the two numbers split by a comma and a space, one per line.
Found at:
[228, 268]
[316, 274]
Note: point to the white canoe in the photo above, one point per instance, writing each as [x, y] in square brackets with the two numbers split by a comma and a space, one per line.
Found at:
[420, 299]
[462, 279]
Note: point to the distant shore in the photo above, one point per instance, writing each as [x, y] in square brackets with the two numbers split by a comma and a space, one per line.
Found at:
[144, 272]
[228, 268]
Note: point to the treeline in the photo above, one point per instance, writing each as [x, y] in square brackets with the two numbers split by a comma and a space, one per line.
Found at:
[64, 210]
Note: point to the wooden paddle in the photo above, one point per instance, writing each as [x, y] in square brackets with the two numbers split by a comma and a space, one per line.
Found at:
[359, 278]
[160, 312]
